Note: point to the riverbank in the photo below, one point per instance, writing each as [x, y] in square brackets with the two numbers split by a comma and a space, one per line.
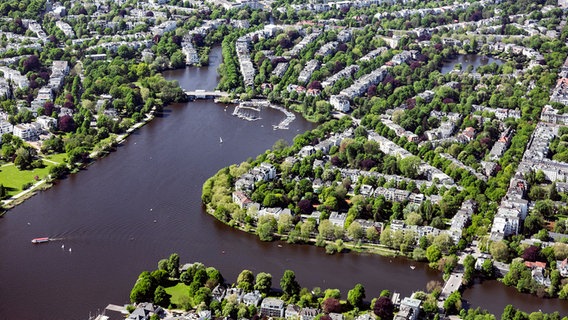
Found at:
[47, 183]
[361, 248]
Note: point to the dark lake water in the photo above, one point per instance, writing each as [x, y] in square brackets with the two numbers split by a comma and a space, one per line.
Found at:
[141, 203]
[468, 59]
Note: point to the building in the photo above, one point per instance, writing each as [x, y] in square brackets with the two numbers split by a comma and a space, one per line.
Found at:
[340, 103]
[252, 298]
[241, 199]
[272, 307]
[409, 309]
[47, 123]
[5, 127]
[25, 131]
[338, 219]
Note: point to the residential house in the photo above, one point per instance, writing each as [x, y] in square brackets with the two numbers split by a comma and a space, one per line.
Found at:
[144, 311]
[340, 103]
[274, 212]
[5, 127]
[272, 307]
[25, 131]
[409, 309]
[563, 267]
[314, 215]
[366, 190]
[367, 224]
[252, 298]
[245, 182]
[309, 68]
[241, 199]
[47, 123]
[292, 312]
[335, 316]
[308, 313]
[338, 219]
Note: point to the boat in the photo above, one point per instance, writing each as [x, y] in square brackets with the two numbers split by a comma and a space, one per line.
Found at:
[40, 240]
[412, 267]
[220, 140]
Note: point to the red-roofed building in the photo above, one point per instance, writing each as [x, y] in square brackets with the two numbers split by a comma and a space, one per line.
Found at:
[536, 264]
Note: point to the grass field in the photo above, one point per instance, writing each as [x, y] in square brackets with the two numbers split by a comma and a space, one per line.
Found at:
[13, 179]
[179, 293]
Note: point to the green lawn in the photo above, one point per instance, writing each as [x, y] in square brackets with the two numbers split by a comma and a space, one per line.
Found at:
[179, 293]
[60, 157]
[13, 179]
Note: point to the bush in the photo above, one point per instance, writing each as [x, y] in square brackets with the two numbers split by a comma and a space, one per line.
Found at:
[331, 248]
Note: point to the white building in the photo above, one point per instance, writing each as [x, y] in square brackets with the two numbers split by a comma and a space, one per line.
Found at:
[340, 103]
[25, 131]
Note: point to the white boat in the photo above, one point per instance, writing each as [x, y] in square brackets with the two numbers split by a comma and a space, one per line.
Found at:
[412, 267]
[220, 140]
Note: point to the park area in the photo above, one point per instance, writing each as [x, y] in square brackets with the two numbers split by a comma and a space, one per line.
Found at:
[15, 180]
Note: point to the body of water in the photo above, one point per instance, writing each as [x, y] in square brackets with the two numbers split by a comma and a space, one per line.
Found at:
[468, 59]
[122, 214]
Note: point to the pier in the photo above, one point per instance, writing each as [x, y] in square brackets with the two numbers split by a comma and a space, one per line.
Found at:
[247, 112]
[250, 110]
[284, 123]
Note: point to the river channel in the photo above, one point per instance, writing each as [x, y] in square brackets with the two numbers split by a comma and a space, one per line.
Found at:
[122, 214]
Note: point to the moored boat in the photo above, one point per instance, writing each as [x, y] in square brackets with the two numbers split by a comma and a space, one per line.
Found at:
[40, 240]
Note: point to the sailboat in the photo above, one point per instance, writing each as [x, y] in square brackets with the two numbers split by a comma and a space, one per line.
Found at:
[220, 140]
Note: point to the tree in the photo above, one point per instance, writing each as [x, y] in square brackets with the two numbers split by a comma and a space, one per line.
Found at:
[245, 280]
[24, 158]
[161, 297]
[409, 166]
[532, 253]
[266, 228]
[355, 231]
[288, 284]
[499, 251]
[453, 304]
[66, 123]
[177, 59]
[433, 253]
[356, 295]
[487, 268]
[330, 305]
[173, 265]
[305, 206]
[384, 308]
[143, 290]
[263, 282]
[203, 294]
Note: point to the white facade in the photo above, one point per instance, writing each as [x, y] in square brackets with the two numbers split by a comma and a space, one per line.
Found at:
[340, 103]
[25, 131]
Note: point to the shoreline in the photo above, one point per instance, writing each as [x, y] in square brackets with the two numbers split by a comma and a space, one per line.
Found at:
[364, 248]
[45, 184]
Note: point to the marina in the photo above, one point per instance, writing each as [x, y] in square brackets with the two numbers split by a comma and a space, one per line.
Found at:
[250, 111]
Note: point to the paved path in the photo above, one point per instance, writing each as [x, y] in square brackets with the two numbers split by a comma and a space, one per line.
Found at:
[21, 194]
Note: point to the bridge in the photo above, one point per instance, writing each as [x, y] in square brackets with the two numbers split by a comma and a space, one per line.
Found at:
[204, 94]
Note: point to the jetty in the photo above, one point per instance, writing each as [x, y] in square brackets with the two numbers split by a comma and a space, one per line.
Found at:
[247, 112]
[250, 110]
[284, 123]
